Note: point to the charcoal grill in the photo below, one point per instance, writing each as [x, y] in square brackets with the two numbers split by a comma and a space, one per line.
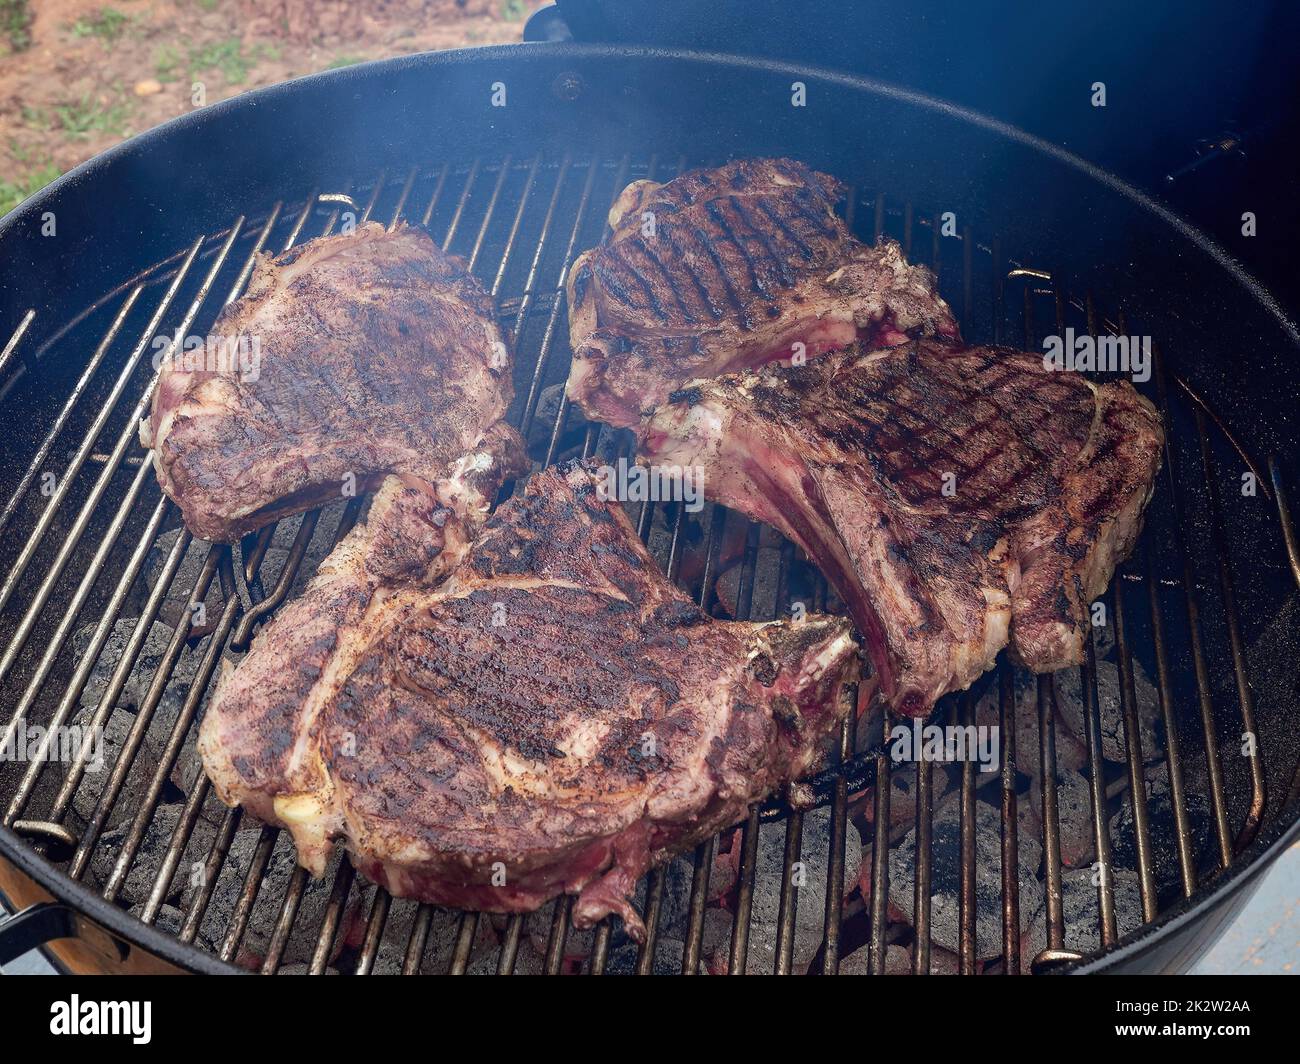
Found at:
[117, 870]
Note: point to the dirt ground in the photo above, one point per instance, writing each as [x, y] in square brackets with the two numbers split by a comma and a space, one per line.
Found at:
[76, 77]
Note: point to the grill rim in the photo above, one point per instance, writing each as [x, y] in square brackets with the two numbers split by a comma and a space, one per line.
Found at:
[117, 921]
[361, 72]
[1224, 888]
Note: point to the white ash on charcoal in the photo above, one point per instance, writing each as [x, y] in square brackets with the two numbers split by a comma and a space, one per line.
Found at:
[674, 916]
[391, 952]
[176, 605]
[675, 898]
[898, 961]
[444, 930]
[112, 739]
[149, 855]
[146, 665]
[1163, 832]
[612, 444]
[1074, 816]
[1114, 745]
[350, 934]
[188, 772]
[120, 722]
[1081, 912]
[484, 955]
[187, 574]
[1071, 755]
[715, 941]
[726, 866]
[311, 911]
[537, 934]
[439, 944]
[116, 731]
[945, 878]
[266, 911]
[903, 782]
[528, 961]
[622, 958]
[318, 547]
[810, 907]
[1073, 796]
[859, 961]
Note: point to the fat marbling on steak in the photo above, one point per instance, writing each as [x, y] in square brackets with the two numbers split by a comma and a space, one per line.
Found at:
[553, 717]
[727, 269]
[957, 499]
[361, 354]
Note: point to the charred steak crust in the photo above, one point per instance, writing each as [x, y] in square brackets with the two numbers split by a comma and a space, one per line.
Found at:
[727, 269]
[555, 717]
[376, 353]
[256, 737]
[957, 498]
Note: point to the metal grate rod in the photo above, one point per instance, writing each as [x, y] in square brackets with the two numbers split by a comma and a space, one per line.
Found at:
[106, 407]
[78, 390]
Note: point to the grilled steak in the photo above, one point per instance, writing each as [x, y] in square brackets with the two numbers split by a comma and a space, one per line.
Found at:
[728, 269]
[554, 717]
[957, 499]
[349, 357]
[257, 739]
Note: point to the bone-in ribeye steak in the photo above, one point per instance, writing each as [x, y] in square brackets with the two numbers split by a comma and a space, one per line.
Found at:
[957, 499]
[727, 269]
[375, 353]
[553, 717]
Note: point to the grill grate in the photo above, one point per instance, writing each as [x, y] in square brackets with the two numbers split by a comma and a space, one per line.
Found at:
[520, 223]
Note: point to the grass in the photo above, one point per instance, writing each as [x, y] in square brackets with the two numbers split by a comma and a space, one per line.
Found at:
[16, 24]
[229, 57]
[108, 25]
[35, 117]
[340, 61]
[80, 118]
[513, 10]
[13, 193]
[166, 61]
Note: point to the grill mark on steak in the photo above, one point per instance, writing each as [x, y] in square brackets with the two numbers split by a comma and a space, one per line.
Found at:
[620, 278]
[717, 211]
[378, 354]
[441, 746]
[685, 263]
[722, 275]
[845, 456]
[668, 278]
[758, 242]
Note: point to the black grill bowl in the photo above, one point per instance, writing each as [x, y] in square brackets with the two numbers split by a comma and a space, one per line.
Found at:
[155, 234]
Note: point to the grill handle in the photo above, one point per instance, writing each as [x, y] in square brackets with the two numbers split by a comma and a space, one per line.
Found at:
[47, 921]
[34, 927]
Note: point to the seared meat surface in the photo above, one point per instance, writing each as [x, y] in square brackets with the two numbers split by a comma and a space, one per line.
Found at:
[957, 499]
[553, 717]
[258, 739]
[728, 269]
[362, 354]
